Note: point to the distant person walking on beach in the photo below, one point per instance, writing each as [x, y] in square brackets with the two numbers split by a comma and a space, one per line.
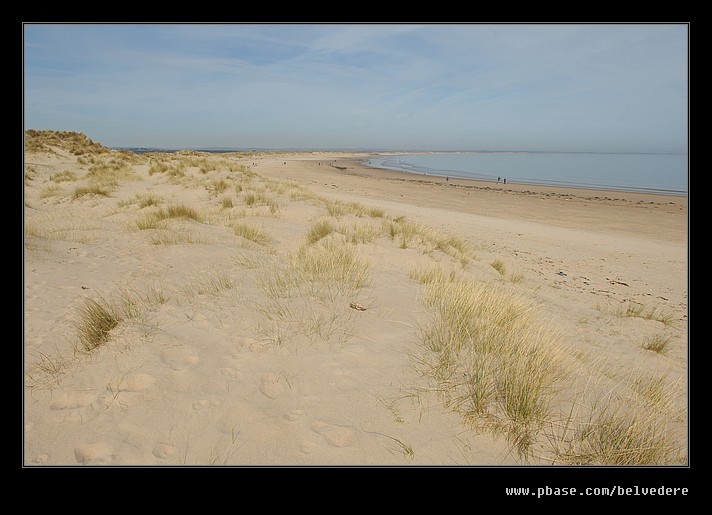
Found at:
[498, 178]
[505, 180]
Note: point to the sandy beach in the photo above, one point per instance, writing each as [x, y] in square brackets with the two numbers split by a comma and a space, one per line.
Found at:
[299, 309]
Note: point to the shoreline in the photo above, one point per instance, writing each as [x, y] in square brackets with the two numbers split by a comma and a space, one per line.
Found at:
[354, 163]
[368, 155]
[360, 168]
[655, 216]
[535, 184]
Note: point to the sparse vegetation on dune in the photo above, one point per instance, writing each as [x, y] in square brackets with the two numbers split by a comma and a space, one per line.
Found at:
[497, 362]
[96, 319]
[657, 343]
[310, 293]
[354, 232]
[205, 281]
[72, 225]
[95, 189]
[51, 190]
[487, 347]
[76, 143]
[338, 208]
[155, 219]
[252, 233]
[409, 234]
[180, 211]
[66, 175]
[634, 309]
[631, 423]
[143, 200]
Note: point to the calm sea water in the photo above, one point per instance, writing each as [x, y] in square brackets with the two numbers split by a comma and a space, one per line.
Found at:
[651, 173]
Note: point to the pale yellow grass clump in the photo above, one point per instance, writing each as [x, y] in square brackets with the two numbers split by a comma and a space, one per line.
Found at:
[97, 317]
[143, 200]
[339, 208]
[258, 197]
[504, 368]
[70, 226]
[218, 186]
[309, 293]
[174, 170]
[501, 267]
[322, 272]
[410, 234]
[51, 190]
[356, 232]
[93, 189]
[639, 310]
[156, 219]
[494, 361]
[205, 281]
[175, 236]
[66, 175]
[252, 233]
[657, 343]
[105, 174]
[634, 422]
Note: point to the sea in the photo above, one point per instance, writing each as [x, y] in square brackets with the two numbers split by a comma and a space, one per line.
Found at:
[666, 174]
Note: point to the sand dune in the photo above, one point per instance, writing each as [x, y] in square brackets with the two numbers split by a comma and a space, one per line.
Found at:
[284, 308]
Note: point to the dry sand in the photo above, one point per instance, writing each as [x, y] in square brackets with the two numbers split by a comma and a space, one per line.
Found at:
[202, 371]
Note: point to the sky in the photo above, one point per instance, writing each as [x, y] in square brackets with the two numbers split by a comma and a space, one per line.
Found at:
[556, 87]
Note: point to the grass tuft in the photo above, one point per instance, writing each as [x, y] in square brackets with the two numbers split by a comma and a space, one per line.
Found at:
[657, 343]
[181, 211]
[320, 230]
[93, 189]
[311, 291]
[499, 265]
[208, 282]
[252, 233]
[66, 175]
[495, 362]
[96, 319]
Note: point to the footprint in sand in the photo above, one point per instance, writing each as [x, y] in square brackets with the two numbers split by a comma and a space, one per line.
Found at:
[98, 452]
[179, 358]
[271, 387]
[132, 383]
[338, 436]
[295, 414]
[230, 372]
[71, 400]
[307, 447]
[243, 342]
[164, 450]
[40, 458]
[204, 403]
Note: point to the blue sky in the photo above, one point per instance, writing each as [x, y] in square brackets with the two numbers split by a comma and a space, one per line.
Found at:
[563, 87]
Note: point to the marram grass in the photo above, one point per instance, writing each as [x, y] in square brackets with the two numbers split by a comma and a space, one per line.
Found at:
[504, 368]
